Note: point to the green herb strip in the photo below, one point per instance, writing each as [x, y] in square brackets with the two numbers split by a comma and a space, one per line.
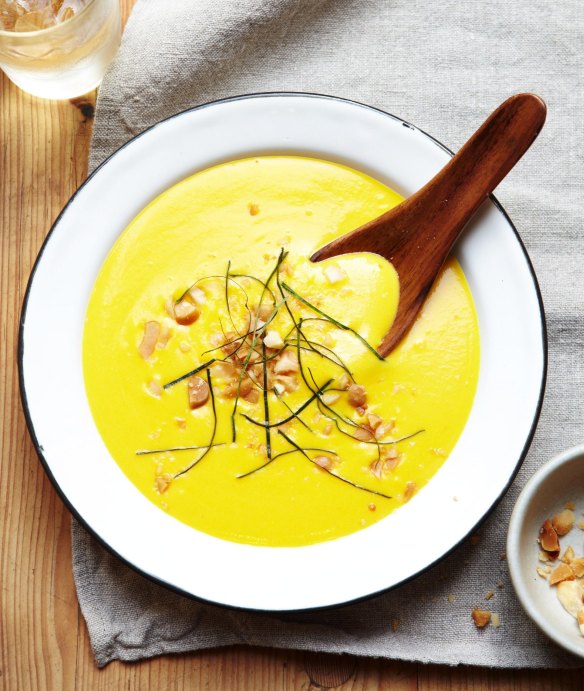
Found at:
[337, 477]
[338, 324]
[266, 406]
[144, 452]
[294, 413]
[282, 453]
[200, 368]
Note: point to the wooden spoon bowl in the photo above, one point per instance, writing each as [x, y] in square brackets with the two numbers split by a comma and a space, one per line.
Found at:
[417, 235]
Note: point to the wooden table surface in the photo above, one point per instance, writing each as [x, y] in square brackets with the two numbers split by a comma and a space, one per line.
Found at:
[43, 639]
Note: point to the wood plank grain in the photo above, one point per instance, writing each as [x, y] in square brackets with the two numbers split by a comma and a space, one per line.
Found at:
[44, 157]
[43, 639]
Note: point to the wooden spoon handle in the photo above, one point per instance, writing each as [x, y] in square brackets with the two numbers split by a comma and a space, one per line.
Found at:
[455, 193]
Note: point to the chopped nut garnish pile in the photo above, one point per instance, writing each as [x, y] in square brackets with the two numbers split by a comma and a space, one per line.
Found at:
[568, 575]
[261, 360]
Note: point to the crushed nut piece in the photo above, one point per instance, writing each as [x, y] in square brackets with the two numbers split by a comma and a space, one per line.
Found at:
[570, 595]
[548, 538]
[409, 491]
[568, 555]
[287, 363]
[363, 434]
[155, 389]
[331, 397]
[357, 395]
[451, 598]
[544, 571]
[577, 566]
[495, 620]
[334, 274]
[254, 209]
[563, 522]
[563, 572]
[162, 482]
[198, 295]
[489, 595]
[324, 462]
[273, 339]
[186, 312]
[165, 336]
[198, 391]
[149, 339]
[481, 617]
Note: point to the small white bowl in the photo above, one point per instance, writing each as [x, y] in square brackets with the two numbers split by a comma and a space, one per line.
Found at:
[557, 482]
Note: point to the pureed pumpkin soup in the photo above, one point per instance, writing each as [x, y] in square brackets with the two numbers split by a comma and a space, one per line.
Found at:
[237, 384]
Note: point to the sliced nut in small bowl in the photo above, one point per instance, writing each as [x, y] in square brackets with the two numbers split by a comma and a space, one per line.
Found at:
[545, 549]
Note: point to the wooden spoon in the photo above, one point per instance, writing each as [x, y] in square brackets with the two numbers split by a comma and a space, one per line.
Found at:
[417, 235]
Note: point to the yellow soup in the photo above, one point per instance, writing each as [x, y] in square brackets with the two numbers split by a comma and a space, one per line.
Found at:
[291, 431]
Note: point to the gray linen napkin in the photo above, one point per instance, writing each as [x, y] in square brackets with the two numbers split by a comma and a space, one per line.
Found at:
[443, 66]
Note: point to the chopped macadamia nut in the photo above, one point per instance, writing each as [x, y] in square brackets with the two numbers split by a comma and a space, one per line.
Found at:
[273, 339]
[198, 390]
[149, 340]
[344, 381]
[331, 397]
[287, 363]
[357, 395]
[374, 421]
[324, 462]
[197, 295]
[288, 381]
[481, 617]
[165, 336]
[563, 522]
[186, 312]
[363, 434]
[155, 389]
[334, 274]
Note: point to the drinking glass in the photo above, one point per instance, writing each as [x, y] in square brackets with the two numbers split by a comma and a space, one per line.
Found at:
[58, 48]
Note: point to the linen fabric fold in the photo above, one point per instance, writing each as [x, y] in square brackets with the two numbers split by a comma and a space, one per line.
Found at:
[444, 67]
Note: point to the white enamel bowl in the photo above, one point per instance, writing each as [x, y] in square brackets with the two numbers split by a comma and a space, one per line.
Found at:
[512, 374]
[559, 481]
